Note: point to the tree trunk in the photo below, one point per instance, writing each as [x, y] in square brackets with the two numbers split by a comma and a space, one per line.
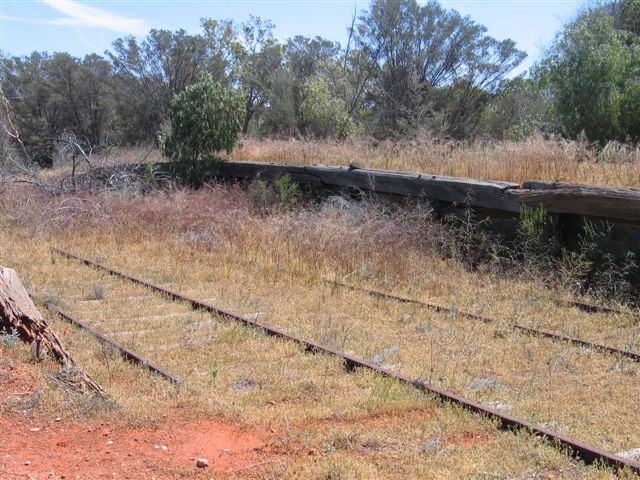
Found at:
[247, 119]
[19, 314]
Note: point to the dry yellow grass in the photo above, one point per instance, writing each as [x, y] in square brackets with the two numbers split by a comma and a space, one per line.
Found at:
[215, 244]
[535, 158]
[532, 159]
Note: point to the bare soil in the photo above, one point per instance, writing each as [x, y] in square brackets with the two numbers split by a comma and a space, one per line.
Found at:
[36, 446]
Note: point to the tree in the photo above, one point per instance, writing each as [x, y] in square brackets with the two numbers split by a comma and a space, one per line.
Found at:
[518, 108]
[206, 118]
[51, 95]
[153, 71]
[281, 117]
[593, 72]
[28, 92]
[305, 59]
[416, 50]
[325, 115]
[258, 57]
[630, 16]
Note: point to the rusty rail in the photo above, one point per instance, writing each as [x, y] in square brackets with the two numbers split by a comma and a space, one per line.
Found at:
[635, 356]
[593, 308]
[583, 451]
[128, 354]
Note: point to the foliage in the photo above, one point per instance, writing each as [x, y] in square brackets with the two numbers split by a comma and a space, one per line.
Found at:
[472, 242]
[609, 271]
[284, 193]
[205, 118]
[537, 237]
[596, 264]
[150, 175]
[53, 94]
[9, 339]
[325, 116]
[259, 55]
[158, 68]
[593, 71]
[407, 69]
[416, 51]
[280, 119]
[518, 109]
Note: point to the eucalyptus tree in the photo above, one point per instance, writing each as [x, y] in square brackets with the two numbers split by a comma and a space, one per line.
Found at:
[593, 72]
[429, 62]
[52, 94]
[258, 57]
[153, 71]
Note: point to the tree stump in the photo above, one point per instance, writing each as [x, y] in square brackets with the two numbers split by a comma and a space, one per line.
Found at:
[19, 314]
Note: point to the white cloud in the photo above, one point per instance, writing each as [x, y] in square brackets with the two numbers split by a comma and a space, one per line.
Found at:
[79, 15]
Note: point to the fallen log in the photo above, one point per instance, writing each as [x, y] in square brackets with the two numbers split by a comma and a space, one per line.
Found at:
[18, 314]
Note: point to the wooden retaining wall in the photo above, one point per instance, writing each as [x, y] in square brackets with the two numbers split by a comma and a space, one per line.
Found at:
[497, 202]
[618, 205]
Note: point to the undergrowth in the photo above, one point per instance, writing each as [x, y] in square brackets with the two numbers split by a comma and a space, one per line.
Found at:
[367, 237]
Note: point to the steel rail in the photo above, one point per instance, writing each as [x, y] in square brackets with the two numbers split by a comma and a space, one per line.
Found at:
[128, 354]
[593, 308]
[635, 356]
[578, 449]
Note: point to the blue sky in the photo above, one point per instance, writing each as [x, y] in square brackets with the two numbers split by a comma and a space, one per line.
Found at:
[87, 26]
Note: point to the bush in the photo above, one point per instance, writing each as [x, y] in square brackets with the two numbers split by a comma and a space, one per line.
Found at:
[325, 115]
[284, 193]
[537, 237]
[593, 73]
[206, 118]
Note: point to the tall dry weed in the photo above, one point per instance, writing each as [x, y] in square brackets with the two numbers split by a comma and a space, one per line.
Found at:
[535, 158]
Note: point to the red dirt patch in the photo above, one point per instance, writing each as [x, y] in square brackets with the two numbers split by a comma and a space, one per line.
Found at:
[470, 438]
[37, 447]
[59, 449]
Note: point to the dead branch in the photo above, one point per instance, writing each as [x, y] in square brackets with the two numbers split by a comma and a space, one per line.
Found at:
[10, 128]
[19, 314]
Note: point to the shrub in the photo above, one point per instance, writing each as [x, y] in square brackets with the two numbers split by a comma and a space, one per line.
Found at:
[284, 193]
[537, 237]
[206, 118]
[593, 72]
[611, 271]
[324, 114]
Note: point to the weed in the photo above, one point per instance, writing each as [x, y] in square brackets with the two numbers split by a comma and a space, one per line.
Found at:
[150, 175]
[281, 258]
[530, 157]
[98, 292]
[214, 374]
[10, 339]
[335, 471]
[281, 195]
[471, 243]
[264, 197]
[287, 191]
[609, 273]
[537, 238]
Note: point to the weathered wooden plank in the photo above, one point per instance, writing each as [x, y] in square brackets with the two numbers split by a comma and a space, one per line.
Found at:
[18, 314]
[614, 204]
[476, 193]
[622, 204]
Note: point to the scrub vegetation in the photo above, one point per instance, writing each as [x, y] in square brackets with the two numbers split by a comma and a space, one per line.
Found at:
[418, 87]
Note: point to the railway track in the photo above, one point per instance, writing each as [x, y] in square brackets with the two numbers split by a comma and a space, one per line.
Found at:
[578, 449]
[635, 356]
[126, 352]
[593, 308]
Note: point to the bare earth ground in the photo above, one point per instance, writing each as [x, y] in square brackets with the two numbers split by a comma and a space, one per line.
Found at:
[309, 417]
[39, 446]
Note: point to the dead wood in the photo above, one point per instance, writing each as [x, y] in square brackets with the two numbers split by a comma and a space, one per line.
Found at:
[19, 314]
